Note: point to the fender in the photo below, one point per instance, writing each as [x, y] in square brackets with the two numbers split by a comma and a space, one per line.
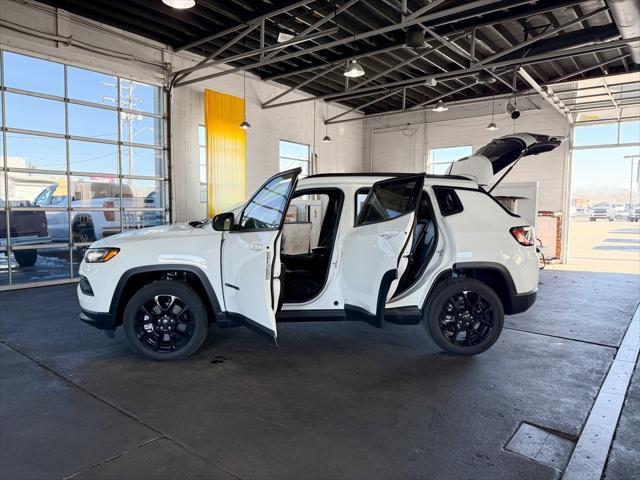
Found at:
[204, 280]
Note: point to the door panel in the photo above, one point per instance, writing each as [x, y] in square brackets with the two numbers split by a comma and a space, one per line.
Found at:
[377, 246]
[251, 255]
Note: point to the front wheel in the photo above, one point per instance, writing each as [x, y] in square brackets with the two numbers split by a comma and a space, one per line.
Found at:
[464, 316]
[166, 320]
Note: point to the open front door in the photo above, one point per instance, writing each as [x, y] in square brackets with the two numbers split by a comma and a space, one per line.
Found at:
[251, 255]
[375, 253]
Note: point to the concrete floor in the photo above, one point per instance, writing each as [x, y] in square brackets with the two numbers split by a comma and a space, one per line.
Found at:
[335, 400]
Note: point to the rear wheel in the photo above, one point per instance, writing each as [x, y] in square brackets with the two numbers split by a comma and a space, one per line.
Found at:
[464, 316]
[26, 258]
[166, 320]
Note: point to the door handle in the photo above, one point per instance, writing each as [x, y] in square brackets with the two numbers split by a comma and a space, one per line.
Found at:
[389, 234]
[256, 246]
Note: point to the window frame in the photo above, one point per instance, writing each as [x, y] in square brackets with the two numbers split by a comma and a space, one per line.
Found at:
[308, 160]
[431, 163]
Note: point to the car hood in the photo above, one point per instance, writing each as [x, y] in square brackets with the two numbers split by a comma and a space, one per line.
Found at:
[501, 153]
[175, 231]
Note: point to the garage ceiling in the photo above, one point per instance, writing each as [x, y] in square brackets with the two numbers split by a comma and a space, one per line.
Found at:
[554, 41]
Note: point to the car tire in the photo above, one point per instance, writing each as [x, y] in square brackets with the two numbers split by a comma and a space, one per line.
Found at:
[26, 258]
[463, 307]
[156, 330]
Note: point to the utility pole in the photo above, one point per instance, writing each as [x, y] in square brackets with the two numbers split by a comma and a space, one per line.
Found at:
[633, 158]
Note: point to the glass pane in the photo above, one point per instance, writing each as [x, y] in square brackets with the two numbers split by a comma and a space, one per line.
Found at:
[136, 219]
[203, 156]
[37, 189]
[93, 122]
[93, 157]
[39, 265]
[389, 200]
[288, 164]
[4, 268]
[439, 168]
[266, 208]
[34, 227]
[140, 96]
[630, 132]
[450, 154]
[202, 140]
[30, 151]
[33, 113]
[95, 192]
[596, 134]
[33, 74]
[92, 86]
[143, 162]
[91, 225]
[294, 150]
[138, 128]
[203, 174]
[142, 193]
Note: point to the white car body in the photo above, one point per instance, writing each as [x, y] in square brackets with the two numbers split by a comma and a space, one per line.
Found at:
[239, 269]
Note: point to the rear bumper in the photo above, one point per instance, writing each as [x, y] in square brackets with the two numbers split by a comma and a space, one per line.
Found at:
[522, 302]
[102, 321]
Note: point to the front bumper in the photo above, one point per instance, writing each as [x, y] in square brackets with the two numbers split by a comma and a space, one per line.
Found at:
[102, 321]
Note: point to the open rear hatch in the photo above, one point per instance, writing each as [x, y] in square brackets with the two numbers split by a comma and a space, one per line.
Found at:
[501, 153]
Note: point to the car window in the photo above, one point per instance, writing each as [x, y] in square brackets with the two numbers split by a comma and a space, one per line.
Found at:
[266, 209]
[43, 197]
[448, 201]
[390, 199]
[361, 196]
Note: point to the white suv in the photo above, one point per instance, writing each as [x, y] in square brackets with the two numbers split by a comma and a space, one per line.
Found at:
[398, 248]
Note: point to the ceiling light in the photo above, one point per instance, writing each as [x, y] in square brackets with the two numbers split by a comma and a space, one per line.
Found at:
[354, 69]
[431, 82]
[245, 125]
[327, 139]
[415, 37]
[492, 126]
[180, 4]
[284, 37]
[440, 107]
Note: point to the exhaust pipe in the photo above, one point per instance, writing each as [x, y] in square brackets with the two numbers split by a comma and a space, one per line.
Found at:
[626, 14]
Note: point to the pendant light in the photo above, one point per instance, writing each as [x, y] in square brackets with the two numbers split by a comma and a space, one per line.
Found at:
[244, 125]
[180, 4]
[326, 138]
[440, 107]
[492, 126]
[354, 69]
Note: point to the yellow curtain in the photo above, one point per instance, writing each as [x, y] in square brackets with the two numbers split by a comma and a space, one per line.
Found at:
[226, 150]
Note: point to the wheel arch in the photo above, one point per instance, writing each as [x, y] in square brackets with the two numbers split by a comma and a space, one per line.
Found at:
[495, 275]
[134, 279]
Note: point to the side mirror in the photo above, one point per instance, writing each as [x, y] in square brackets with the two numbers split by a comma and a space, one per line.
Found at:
[223, 222]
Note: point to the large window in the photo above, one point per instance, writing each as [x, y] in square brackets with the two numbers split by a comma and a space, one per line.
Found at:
[293, 155]
[82, 157]
[441, 158]
[202, 151]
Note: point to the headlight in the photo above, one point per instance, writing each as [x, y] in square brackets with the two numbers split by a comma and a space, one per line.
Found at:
[100, 255]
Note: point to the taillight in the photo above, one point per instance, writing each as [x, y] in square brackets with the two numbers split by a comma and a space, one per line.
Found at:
[109, 216]
[523, 235]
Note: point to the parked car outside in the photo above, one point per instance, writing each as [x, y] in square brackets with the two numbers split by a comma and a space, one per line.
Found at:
[86, 225]
[436, 250]
[27, 228]
[602, 211]
[634, 213]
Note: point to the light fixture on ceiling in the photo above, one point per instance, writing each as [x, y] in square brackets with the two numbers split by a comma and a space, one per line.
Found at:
[326, 138]
[284, 37]
[440, 107]
[354, 69]
[180, 4]
[244, 125]
[431, 82]
[513, 111]
[492, 126]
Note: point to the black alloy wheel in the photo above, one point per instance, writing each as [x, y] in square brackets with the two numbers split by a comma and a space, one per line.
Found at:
[165, 320]
[466, 319]
[464, 316]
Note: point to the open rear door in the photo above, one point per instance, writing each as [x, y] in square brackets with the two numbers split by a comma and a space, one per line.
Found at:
[375, 252]
[251, 256]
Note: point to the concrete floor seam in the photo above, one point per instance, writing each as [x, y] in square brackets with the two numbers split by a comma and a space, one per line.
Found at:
[117, 408]
[561, 337]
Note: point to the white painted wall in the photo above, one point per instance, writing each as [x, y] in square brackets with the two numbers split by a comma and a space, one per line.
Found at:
[134, 57]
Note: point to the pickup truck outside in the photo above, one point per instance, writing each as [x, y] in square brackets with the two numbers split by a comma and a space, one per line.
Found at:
[27, 228]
